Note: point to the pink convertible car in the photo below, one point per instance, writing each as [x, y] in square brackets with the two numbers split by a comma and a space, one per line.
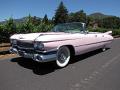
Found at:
[64, 41]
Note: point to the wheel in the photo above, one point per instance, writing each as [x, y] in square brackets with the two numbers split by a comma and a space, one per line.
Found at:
[104, 48]
[63, 56]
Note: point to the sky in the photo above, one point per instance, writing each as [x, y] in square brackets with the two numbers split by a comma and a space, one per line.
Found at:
[21, 8]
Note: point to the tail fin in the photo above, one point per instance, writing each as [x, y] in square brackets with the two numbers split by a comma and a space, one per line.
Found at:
[109, 33]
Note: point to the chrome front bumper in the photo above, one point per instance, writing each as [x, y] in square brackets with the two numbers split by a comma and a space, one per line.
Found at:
[44, 57]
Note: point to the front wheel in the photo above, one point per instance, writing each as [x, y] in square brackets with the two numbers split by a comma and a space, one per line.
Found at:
[63, 56]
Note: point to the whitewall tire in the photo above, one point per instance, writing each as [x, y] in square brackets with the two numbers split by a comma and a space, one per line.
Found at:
[104, 48]
[63, 56]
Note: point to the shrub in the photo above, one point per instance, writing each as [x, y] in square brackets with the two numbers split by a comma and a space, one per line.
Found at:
[4, 35]
[114, 31]
[43, 27]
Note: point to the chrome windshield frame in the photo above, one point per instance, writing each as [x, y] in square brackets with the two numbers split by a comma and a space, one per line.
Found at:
[78, 26]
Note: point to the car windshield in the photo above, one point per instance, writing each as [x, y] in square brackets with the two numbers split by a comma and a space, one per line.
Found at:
[69, 28]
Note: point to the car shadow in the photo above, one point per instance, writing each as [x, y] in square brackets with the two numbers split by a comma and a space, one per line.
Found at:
[48, 67]
[85, 56]
[38, 68]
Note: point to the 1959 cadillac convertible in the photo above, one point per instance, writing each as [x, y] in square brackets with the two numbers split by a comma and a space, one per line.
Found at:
[60, 44]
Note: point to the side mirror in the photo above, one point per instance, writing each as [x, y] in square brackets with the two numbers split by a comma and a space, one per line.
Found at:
[84, 26]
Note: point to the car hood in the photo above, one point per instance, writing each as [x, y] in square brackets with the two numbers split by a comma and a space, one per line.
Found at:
[49, 36]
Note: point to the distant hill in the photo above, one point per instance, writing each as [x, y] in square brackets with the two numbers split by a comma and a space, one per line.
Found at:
[16, 20]
[98, 15]
[21, 20]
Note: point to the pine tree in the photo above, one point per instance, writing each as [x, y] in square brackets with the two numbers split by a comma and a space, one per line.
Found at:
[61, 15]
[45, 19]
[36, 21]
[10, 26]
[79, 16]
[28, 26]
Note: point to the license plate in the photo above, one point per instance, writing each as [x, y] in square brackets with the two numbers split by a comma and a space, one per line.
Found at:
[24, 54]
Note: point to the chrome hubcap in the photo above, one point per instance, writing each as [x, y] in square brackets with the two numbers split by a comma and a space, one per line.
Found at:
[63, 55]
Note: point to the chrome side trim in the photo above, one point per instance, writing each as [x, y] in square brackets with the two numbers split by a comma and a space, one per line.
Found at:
[93, 43]
[59, 40]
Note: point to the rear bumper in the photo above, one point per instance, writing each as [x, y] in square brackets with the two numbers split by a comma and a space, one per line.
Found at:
[39, 57]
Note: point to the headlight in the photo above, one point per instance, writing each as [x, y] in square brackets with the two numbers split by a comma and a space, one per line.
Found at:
[39, 46]
[13, 41]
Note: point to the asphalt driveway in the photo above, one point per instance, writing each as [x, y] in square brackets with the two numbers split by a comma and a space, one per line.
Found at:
[92, 71]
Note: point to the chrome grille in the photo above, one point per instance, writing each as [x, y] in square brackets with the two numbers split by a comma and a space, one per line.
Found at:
[26, 45]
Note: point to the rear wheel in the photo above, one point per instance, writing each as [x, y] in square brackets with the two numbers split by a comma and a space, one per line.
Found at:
[104, 48]
[63, 56]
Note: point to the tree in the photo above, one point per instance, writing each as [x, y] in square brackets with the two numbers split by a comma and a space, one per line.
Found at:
[10, 26]
[28, 25]
[36, 21]
[61, 15]
[111, 22]
[45, 19]
[2, 34]
[79, 16]
[43, 27]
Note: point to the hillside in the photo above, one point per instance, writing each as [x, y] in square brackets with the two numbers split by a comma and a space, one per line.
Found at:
[98, 15]
[21, 20]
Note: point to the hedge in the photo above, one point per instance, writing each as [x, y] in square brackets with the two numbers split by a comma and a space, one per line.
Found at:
[115, 32]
